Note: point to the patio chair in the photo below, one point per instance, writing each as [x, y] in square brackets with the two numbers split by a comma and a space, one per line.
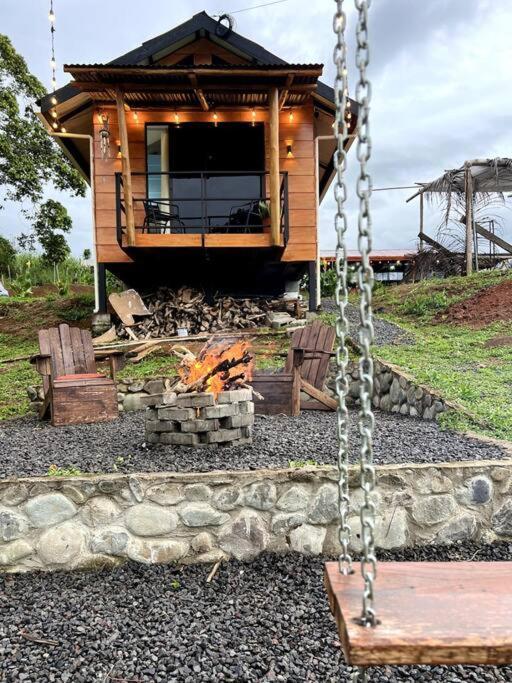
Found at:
[74, 392]
[160, 215]
[246, 216]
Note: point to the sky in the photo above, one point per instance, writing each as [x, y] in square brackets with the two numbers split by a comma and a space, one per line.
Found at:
[440, 73]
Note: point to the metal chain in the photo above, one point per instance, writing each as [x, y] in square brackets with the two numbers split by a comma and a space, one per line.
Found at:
[366, 419]
[341, 293]
[360, 675]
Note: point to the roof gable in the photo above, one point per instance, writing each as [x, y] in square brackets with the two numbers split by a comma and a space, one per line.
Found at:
[201, 25]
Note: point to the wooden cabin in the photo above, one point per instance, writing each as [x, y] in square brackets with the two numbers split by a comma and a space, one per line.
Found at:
[206, 155]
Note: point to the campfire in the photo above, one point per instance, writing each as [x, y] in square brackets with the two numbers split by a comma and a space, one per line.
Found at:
[221, 365]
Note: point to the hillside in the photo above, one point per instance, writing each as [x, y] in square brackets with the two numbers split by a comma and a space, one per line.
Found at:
[462, 346]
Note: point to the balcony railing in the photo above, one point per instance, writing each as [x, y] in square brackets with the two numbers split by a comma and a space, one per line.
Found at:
[202, 203]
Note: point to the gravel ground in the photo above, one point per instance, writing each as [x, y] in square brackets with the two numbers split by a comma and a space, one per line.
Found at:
[265, 621]
[385, 332]
[28, 447]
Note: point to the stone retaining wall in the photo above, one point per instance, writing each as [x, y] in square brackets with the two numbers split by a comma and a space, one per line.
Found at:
[393, 391]
[89, 521]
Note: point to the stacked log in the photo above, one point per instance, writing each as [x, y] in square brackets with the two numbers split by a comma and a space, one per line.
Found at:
[187, 309]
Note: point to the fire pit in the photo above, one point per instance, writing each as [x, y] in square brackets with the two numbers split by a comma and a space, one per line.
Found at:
[202, 418]
[211, 403]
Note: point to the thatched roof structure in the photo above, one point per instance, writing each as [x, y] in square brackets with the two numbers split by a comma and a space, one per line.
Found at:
[488, 176]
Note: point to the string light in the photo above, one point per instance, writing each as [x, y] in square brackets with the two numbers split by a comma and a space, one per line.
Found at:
[53, 66]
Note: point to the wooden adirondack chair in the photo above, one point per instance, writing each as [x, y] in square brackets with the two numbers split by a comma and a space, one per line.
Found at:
[305, 372]
[74, 392]
[317, 342]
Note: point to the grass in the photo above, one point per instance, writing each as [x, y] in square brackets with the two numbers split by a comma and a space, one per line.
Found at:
[421, 301]
[453, 359]
[456, 362]
[15, 377]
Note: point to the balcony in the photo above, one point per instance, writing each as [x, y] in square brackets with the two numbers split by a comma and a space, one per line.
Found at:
[201, 209]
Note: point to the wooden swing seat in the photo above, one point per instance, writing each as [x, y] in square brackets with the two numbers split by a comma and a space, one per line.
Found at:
[429, 613]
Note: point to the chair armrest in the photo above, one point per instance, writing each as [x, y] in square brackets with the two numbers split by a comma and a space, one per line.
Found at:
[38, 356]
[43, 364]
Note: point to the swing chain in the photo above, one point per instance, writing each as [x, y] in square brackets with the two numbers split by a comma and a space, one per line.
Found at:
[360, 675]
[365, 277]
[341, 292]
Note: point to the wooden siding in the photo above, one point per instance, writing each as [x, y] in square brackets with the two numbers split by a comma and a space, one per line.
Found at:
[301, 175]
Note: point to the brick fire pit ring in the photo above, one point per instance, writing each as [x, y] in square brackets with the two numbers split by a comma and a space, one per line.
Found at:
[202, 419]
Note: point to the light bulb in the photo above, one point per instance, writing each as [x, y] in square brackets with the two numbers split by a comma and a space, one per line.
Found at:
[63, 130]
[53, 100]
[55, 124]
[215, 118]
[253, 114]
[53, 63]
[177, 119]
[54, 113]
[51, 16]
[135, 116]
[290, 116]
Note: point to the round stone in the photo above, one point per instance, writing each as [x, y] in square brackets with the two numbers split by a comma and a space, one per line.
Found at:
[202, 514]
[12, 525]
[324, 506]
[228, 498]
[261, 495]
[110, 541]
[62, 544]
[150, 520]
[308, 539]
[245, 537]
[433, 510]
[49, 509]
[293, 499]
[99, 510]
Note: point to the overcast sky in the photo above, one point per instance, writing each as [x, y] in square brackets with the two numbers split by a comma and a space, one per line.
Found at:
[442, 89]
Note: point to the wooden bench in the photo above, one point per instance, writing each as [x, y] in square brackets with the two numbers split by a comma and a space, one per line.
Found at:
[74, 392]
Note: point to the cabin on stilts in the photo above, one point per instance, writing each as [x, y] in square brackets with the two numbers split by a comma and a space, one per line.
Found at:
[208, 158]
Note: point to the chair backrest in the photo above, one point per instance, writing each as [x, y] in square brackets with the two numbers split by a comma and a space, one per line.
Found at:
[70, 349]
[317, 340]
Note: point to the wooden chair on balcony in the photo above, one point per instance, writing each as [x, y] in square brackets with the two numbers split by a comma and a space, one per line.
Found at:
[160, 216]
[246, 216]
[74, 392]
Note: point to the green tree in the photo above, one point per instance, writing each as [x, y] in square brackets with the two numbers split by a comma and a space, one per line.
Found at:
[51, 221]
[7, 255]
[29, 157]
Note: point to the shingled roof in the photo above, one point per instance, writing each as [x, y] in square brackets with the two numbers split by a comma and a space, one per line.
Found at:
[200, 25]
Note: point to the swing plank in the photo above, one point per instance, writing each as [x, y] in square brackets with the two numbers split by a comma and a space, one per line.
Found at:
[429, 613]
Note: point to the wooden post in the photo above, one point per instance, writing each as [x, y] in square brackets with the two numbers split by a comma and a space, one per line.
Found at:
[275, 190]
[468, 190]
[421, 222]
[127, 173]
[298, 359]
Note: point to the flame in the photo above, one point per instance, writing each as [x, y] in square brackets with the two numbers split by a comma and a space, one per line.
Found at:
[234, 359]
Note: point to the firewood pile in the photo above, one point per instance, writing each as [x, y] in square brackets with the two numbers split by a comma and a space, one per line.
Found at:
[187, 309]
